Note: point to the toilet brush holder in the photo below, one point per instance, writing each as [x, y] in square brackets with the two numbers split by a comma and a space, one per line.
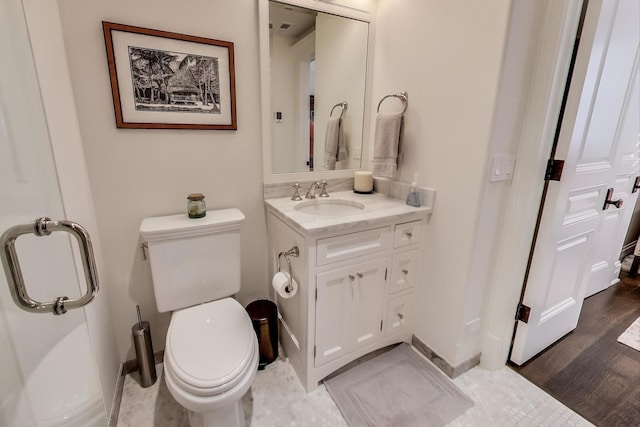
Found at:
[141, 332]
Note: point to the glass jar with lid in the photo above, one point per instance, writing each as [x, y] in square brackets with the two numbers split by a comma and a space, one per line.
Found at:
[196, 206]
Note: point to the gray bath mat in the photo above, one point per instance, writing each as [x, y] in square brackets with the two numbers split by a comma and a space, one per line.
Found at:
[399, 388]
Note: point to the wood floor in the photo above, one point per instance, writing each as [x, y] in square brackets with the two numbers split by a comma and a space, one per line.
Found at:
[588, 370]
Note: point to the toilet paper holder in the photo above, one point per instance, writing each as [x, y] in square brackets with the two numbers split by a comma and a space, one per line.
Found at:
[294, 252]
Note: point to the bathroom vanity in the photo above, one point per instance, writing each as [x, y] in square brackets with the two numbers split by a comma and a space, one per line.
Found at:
[358, 270]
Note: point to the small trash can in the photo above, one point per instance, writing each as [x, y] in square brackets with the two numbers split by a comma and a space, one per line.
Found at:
[264, 316]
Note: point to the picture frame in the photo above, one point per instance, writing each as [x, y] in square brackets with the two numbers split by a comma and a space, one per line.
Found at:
[165, 80]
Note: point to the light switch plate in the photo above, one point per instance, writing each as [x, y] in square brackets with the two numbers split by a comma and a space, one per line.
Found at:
[502, 167]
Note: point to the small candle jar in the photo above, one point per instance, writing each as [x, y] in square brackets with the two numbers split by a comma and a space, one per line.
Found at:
[363, 182]
[196, 206]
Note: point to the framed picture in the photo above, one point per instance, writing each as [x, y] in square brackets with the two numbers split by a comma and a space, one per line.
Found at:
[163, 80]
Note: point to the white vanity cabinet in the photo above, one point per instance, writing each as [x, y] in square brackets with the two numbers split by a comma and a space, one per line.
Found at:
[356, 288]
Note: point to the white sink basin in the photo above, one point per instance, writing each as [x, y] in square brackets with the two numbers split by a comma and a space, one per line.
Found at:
[329, 207]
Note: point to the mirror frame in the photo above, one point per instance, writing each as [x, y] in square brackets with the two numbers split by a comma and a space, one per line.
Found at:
[333, 8]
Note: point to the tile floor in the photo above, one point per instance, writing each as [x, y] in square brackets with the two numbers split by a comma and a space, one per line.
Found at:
[276, 399]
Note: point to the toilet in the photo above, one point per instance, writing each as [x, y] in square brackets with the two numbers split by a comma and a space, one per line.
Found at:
[211, 353]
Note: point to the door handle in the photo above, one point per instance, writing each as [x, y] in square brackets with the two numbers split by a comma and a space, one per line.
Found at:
[636, 184]
[44, 227]
[608, 201]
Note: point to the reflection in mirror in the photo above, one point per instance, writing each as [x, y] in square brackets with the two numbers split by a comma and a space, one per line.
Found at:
[318, 73]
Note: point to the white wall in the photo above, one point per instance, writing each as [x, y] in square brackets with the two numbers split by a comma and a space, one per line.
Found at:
[448, 57]
[139, 173]
[520, 51]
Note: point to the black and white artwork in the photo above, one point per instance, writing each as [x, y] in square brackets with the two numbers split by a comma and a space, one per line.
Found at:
[172, 81]
[163, 80]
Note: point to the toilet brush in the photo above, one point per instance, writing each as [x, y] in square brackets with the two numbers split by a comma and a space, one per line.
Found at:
[141, 332]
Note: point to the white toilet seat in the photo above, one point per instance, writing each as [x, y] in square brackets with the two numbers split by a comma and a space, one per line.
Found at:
[203, 404]
[211, 355]
[215, 390]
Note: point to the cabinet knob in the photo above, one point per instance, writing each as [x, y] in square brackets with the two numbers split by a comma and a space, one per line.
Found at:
[400, 316]
[360, 275]
[405, 271]
[409, 234]
[352, 277]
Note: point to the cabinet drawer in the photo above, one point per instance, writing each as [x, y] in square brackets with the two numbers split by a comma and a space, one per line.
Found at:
[404, 271]
[408, 233]
[352, 245]
[398, 315]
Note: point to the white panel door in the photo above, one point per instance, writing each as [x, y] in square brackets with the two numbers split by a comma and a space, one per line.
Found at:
[577, 244]
[369, 288]
[349, 308]
[333, 314]
[613, 233]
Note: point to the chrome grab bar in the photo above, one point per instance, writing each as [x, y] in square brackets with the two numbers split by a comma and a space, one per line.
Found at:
[44, 227]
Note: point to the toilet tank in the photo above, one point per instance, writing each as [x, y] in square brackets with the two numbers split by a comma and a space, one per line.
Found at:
[193, 260]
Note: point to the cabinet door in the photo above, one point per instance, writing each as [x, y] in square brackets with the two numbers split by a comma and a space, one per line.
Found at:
[349, 308]
[368, 301]
[333, 314]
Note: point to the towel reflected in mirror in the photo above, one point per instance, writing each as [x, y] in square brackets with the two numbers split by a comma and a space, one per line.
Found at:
[335, 148]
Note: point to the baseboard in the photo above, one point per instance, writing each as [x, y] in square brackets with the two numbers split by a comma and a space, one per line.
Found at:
[451, 371]
[132, 365]
[117, 397]
[627, 249]
[126, 368]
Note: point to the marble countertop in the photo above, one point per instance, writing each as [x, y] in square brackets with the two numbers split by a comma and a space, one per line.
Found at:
[377, 208]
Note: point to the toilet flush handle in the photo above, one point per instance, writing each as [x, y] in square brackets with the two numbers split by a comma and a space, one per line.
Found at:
[144, 246]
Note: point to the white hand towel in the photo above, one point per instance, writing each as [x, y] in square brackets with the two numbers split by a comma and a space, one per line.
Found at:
[334, 143]
[342, 145]
[386, 143]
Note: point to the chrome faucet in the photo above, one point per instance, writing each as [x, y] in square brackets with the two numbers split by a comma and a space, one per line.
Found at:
[311, 193]
[296, 197]
[323, 193]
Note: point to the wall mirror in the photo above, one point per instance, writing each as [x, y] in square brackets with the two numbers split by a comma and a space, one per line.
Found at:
[318, 69]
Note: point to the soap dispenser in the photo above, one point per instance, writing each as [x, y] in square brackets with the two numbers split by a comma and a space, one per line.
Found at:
[413, 198]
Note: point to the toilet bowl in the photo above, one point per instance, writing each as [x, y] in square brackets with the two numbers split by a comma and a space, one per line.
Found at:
[211, 358]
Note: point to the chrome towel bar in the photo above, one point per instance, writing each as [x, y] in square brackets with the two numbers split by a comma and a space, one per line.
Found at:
[44, 227]
[402, 96]
[344, 106]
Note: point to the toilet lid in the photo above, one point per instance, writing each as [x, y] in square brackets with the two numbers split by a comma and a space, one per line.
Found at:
[210, 345]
